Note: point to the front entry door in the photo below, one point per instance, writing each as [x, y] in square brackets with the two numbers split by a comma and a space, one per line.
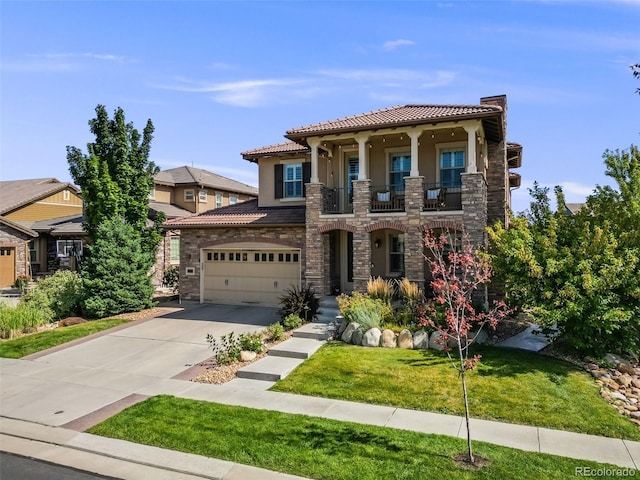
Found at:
[7, 266]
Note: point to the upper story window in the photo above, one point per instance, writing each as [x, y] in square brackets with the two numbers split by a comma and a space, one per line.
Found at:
[293, 180]
[202, 196]
[66, 195]
[218, 200]
[290, 179]
[400, 167]
[233, 199]
[152, 194]
[189, 195]
[452, 164]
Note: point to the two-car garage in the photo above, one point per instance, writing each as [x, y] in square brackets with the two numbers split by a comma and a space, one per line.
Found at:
[254, 274]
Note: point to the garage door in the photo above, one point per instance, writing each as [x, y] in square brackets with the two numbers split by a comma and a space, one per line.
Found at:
[7, 266]
[249, 276]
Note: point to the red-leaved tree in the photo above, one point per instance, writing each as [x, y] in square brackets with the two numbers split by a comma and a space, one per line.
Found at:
[459, 270]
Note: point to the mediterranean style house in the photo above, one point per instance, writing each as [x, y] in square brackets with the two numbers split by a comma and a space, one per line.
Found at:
[351, 198]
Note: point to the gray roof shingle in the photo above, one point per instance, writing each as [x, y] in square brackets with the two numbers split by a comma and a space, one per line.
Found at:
[17, 193]
[190, 175]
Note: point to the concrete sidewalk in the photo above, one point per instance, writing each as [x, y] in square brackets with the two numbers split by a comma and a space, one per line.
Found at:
[47, 403]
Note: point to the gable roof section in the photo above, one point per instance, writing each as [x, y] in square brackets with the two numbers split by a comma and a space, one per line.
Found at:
[278, 149]
[401, 115]
[18, 227]
[196, 176]
[170, 210]
[245, 214]
[67, 225]
[18, 193]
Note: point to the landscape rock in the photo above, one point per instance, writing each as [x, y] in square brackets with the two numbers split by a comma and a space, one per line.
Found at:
[246, 356]
[405, 339]
[343, 324]
[388, 339]
[618, 396]
[372, 337]
[357, 336]
[635, 382]
[614, 359]
[434, 341]
[481, 338]
[624, 368]
[624, 380]
[420, 340]
[348, 332]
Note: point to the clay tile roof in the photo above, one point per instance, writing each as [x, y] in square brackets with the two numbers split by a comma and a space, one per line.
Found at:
[395, 116]
[280, 148]
[17, 193]
[242, 214]
[191, 175]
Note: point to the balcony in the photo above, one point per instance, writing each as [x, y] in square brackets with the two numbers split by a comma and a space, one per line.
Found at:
[386, 198]
[438, 198]
[336, 200]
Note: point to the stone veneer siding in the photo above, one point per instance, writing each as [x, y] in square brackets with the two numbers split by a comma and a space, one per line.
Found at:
[194, 239]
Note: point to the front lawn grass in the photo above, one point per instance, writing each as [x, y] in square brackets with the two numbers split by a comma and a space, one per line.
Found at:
[22, 346]
[319, 448]
[509, 386]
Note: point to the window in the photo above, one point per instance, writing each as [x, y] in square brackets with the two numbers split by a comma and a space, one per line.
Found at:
[174, 249]
[66, 248]
[293, 180]
[189, 196]
[452, 164]
[33, 251]
[152, 194]
[233, 199]
[352, 174]
[218, 200]
[396, 253]
[202, 196]
[400, 167]
[66, 195]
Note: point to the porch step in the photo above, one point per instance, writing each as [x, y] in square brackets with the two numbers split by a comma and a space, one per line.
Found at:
[296, 347]
[269, 368]
[315, 331]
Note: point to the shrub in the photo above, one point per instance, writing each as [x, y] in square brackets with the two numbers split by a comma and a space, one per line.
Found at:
[21, 283]
[292, 321]
[347, 303]
[412, 303]
[171, 278]
[275, 332]
[58, 296]
[381, 289]
[23, 318]
[301, 302]
[365, 311]
[252, 342]
[226, 350]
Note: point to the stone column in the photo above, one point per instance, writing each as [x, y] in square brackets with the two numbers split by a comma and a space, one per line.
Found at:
[474, 206]
[413, 239]
[314, 246]
[361, 198]
[361, 260]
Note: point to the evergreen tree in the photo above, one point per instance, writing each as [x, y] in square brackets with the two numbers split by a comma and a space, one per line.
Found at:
[115, 274]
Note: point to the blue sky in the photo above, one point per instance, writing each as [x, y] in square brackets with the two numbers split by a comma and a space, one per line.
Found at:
[220, 77]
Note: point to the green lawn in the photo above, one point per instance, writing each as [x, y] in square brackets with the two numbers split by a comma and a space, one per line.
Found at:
[319, 448]
[22, 346]
[509, 386]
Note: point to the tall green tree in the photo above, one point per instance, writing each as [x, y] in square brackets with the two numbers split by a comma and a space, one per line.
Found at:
[116, 177]
[579, 274]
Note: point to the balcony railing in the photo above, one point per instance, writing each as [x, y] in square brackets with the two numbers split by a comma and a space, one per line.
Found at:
[336, 200]
[385, 198]
[437, 197]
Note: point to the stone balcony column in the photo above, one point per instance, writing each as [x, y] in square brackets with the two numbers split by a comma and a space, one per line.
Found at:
[314, 244]
[474, 206]
[413, 239]
[361, 197]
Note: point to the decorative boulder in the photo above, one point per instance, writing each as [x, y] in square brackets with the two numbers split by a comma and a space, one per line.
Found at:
[343, 324]
[481, 338]
[434, 341]
[405, 339]
[372, 337]
[356, 338]
[348, 332]
[420, 340]
[388, 339]
[246, 356]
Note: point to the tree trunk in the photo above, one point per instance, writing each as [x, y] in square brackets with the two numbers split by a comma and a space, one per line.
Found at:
[466, 401]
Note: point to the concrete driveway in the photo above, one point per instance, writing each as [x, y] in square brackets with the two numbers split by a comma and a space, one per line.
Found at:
[62, 386]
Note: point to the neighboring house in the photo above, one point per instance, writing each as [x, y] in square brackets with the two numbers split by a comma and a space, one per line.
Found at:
[33, 212]
[183, 191]
[350, 198]
[574, 208]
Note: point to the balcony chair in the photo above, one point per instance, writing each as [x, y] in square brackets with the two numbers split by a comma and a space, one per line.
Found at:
[435, 198]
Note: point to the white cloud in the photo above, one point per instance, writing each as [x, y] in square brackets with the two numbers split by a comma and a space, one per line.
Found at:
[573, 193]
[59, 62]
[393, 44]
